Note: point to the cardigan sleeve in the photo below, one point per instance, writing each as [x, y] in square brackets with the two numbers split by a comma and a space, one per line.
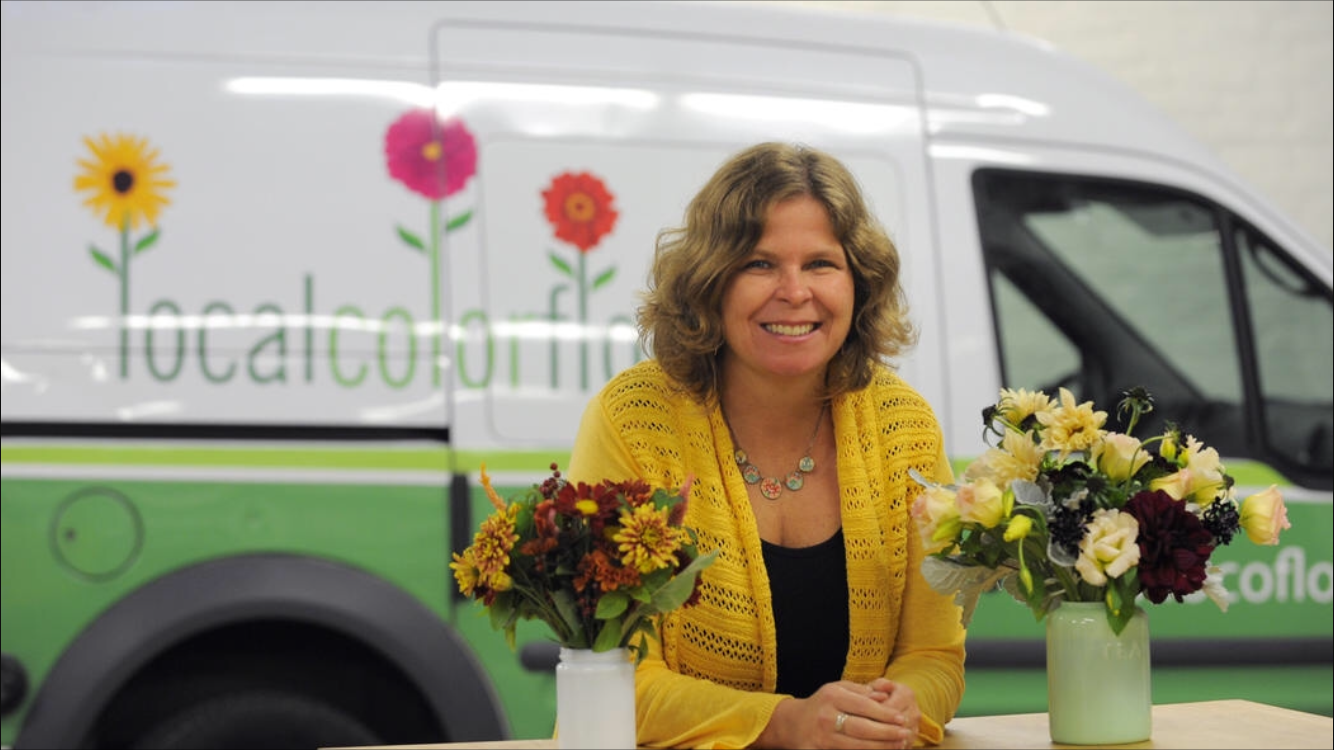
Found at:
[676, 710]
[599, 453]
[929, 652]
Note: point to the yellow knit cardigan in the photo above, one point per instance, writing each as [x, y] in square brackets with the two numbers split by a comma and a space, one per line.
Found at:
[710, 683]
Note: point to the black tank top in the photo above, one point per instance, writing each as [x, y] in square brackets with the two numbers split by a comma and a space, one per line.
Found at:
[810, 601]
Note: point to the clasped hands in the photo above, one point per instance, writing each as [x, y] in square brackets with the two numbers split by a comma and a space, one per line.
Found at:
[845, 714]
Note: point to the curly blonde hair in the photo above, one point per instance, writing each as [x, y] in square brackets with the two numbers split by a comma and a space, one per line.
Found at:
[680, 320]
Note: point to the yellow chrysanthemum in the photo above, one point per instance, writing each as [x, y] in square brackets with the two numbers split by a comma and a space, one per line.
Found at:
[1071, 427]
[465, 572]
[1018, 457]
[492, 544]
[500, 581]
[126, 181]
[647, 541]
[1016, 405]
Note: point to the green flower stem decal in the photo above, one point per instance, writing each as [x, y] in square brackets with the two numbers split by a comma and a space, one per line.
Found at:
[127, 186]
[434, 159]
[433, 260]
[580, 278]
[579, 208]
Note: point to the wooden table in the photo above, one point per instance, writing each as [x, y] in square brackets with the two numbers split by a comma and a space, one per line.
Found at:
[1207, 725]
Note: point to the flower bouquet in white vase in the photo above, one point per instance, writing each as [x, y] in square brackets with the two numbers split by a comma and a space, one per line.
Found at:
[600, 565]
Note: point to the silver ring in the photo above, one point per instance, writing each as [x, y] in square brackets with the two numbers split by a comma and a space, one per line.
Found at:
[839, 721]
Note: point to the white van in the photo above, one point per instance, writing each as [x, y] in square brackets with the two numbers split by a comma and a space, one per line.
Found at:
[279, 277]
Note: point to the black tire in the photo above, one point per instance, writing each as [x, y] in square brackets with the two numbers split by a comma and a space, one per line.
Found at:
[264, 718]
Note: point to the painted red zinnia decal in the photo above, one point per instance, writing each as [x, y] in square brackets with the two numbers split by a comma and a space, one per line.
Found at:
[579, 207]
[433, 158]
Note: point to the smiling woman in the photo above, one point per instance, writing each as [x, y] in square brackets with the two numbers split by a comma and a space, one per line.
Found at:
[775, 304]
[331, 348]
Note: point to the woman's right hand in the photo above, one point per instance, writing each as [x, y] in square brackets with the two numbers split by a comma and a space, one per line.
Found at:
[840, 714]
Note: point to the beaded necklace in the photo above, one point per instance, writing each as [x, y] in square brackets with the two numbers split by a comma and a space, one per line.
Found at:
[771, 487]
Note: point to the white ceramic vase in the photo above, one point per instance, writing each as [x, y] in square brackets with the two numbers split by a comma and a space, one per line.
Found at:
[595, 699]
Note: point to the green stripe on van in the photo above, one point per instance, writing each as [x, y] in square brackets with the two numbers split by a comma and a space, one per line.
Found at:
[343, 457]
[304, 457]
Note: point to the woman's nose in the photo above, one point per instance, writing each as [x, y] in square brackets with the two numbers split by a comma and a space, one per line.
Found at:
[792, 286]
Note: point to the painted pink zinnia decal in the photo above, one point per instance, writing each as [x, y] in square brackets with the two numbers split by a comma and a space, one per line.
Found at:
[433, 158]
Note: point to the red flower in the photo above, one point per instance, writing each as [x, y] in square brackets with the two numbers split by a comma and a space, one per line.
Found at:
[1174, 546]
[433, 158]
[579, 207]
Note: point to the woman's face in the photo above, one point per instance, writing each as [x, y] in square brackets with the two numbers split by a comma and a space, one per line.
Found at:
[788, 309]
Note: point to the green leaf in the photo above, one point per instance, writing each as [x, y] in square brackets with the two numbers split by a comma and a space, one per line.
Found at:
[147, 241]
[458, 221]
[1036, 599]
[101, 259]
[502, 611]
[412, 239]
[560, 264]
[1118, 618]
[609, 637]
[640, 647]
[1120, 599]
[604, 277]
[664, 500]
[677, 590]
[523, 520]
[612, 604]
[657, 579]
[569, 614]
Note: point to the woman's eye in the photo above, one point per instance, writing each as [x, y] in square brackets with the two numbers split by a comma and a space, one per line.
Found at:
[757, 263]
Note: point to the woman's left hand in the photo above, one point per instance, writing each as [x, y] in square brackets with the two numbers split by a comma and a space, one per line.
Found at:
[902, 700]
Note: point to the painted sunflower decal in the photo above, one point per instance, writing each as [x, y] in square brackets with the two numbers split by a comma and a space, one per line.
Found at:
[126, 182]
[126, 186]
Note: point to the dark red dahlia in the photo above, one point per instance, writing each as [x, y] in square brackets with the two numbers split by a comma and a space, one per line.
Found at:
[1174, 546]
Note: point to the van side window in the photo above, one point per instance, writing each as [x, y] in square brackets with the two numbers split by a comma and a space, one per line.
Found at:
[1033, 350]
[1102, 285]
[1293, 330]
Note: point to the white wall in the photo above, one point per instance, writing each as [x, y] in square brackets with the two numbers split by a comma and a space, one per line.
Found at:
[1253, 80]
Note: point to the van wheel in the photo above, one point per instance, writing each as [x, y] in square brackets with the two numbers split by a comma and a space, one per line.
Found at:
[257, 719]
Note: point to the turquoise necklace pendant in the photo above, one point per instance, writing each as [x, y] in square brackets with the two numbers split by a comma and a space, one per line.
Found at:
[770, 487]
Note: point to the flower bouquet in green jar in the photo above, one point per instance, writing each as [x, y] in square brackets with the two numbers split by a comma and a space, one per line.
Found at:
[1060, 509]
